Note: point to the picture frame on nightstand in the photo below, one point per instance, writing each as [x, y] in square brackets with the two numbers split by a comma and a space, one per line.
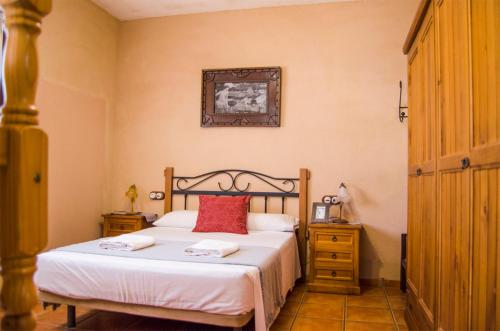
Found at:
[320, 212]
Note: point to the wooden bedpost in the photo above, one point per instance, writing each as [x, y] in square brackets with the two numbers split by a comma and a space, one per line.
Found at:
[23, 167]
[303, 187]
[169, 180]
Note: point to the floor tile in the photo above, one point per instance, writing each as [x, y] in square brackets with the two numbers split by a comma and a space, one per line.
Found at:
[368, 326]
[41, 326]
[367, 290]
[399, 315]
[367, 301]
[282, 323]
[316, 324]
[327, 311]
[394, 291]
[290, 308]
[108, 321]
[296, 295]
[156, 324]
[58, 317]
[311, 297]
[403, 327]
[364, 314]
[397, 302]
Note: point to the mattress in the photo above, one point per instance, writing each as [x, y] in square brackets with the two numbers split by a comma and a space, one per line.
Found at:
[213, 288]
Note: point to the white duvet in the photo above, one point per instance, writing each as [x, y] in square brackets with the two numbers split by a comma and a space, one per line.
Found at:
[214, 288]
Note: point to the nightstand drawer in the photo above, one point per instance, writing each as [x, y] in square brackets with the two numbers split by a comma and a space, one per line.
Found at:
[332, 256]
[334, 238]
[121, 226]
[333, 274]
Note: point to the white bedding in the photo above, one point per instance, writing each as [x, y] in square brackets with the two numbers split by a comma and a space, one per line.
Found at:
[213, 288]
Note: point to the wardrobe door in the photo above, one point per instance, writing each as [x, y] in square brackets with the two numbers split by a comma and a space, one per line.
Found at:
[453, 184]
[414, 235]
[415, 151]
[428, 245]
[428, 277]
[415, 106]
[485, 162]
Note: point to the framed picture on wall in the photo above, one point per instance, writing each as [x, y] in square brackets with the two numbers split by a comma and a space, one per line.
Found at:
[320, 212]
[241, 97]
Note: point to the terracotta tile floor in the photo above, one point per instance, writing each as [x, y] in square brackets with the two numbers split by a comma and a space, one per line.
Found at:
[377, 308]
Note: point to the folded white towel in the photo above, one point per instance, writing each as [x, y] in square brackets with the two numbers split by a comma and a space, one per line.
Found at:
[127, 242]
[210, 247]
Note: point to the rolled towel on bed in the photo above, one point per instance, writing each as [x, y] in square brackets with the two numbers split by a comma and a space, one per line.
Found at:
[127, 242]
[214, 248]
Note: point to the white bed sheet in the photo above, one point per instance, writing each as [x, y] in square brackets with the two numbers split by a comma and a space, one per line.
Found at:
[213, 288]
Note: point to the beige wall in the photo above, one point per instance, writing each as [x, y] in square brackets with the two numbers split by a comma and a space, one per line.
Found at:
[78, 51]
[341, 66]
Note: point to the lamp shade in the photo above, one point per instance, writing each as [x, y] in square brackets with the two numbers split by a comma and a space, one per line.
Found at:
[342, 194]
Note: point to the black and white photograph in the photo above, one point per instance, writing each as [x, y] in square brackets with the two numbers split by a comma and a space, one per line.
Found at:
[234, 98]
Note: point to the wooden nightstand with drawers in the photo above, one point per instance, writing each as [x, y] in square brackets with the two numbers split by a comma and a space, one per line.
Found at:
[115, 224]
[334, 258]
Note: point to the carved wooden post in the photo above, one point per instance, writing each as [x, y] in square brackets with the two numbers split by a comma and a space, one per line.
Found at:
[23, 174]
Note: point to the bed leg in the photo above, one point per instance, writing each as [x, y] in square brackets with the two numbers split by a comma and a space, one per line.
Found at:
[71, 321]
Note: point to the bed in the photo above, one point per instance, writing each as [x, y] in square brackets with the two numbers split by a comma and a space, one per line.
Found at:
[218, 294]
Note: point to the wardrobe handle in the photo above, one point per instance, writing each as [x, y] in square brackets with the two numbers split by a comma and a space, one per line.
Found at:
[465, 162]
[334, 256]
[334, 238]
[334, 274]
[419, 171]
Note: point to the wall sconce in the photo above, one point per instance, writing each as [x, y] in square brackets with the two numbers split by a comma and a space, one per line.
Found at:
[402, 114]
[156, 195]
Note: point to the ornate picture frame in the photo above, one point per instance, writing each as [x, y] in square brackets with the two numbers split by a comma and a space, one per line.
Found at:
[241, 97]
[320, 212]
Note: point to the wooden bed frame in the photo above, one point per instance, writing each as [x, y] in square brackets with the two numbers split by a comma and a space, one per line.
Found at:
[283, 188]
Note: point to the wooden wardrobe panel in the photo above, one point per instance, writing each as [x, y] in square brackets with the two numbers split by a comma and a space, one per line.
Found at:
[415, 107]
[428, 247]
[454, 226]
[414, 228]
[485, 49]
[428, 86]
[485, 272]
[453, 80]
[485, 159]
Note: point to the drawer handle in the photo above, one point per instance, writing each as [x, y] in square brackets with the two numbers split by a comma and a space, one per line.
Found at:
[419, 172]
[122, 227]
[334, 256]
[334, 238]
[334, 273]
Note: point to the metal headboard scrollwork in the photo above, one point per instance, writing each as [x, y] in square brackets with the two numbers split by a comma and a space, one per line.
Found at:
[280, 187]
[233, 182]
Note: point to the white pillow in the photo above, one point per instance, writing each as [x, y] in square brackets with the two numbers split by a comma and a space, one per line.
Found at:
[178, 219]
[271, 222]
[255, 221]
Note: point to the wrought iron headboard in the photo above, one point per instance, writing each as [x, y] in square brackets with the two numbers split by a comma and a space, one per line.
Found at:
[281, 187]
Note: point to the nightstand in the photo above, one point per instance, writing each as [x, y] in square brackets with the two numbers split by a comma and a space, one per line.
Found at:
[115, 224]
[334, 252]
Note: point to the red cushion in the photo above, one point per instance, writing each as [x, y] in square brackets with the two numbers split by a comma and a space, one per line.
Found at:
[222, 214]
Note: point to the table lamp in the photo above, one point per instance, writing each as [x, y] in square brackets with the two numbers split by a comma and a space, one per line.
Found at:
[343, 196]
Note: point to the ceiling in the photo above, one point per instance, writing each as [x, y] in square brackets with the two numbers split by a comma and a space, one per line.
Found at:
[125, 10]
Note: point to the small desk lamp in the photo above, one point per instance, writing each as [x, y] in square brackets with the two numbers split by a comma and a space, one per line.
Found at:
[342, 197]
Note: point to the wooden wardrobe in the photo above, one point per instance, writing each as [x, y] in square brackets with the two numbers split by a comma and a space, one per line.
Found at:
[453, 266]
